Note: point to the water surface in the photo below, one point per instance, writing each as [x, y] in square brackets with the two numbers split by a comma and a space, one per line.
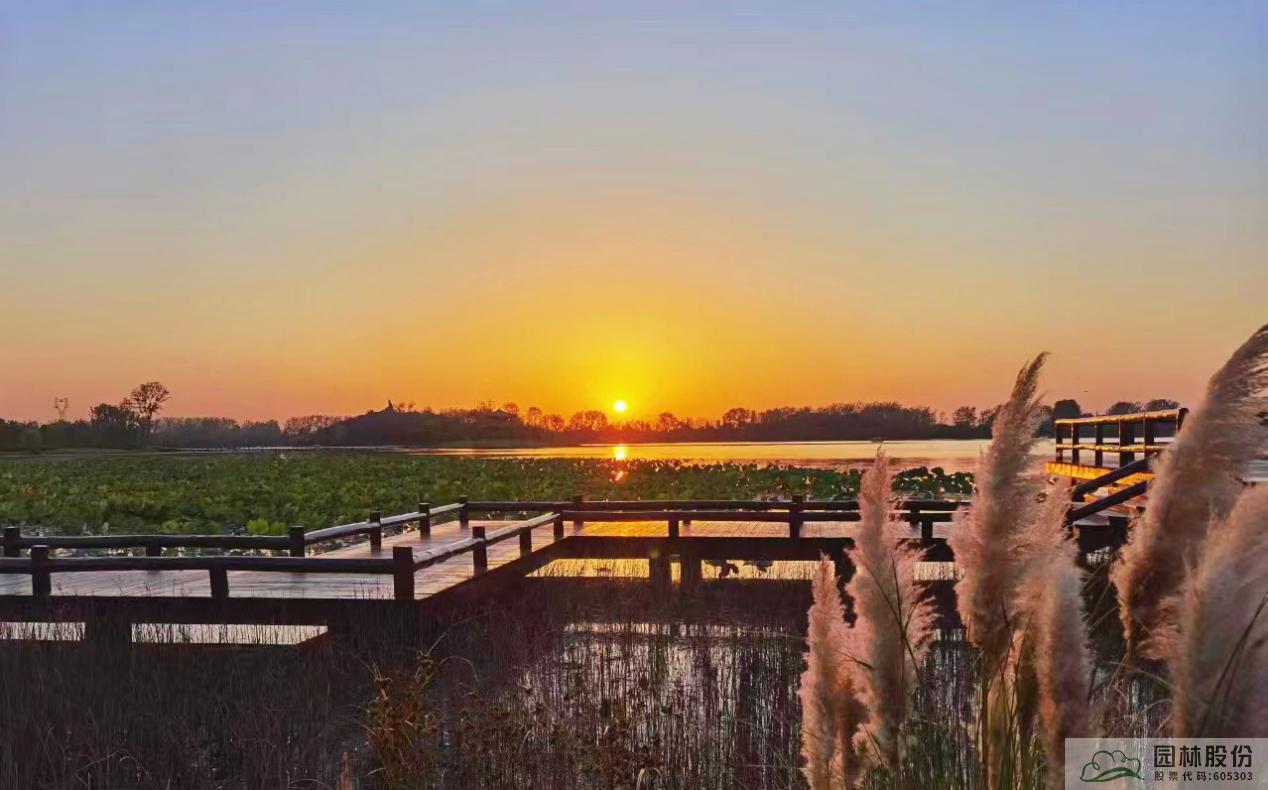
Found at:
[953, 455]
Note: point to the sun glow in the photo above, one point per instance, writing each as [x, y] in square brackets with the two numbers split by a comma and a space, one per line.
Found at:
[620, 453]
[620, 407]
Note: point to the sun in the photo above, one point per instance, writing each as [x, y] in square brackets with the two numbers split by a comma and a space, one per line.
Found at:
[620, 407]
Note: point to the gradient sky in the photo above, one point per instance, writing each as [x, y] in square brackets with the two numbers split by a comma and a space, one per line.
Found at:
[294, 208]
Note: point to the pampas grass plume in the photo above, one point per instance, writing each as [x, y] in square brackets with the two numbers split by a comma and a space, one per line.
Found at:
[1195, 481]
[893, 619]
[830, 708]
[989, 542]
[1217, 650]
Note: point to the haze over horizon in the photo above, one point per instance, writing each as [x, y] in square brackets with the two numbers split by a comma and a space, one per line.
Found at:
[313, 207]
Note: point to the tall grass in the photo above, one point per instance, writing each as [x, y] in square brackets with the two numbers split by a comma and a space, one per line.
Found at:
[1195, 483]
[892, 626]
[1193, 587]
[1217, 649]
[831, 710]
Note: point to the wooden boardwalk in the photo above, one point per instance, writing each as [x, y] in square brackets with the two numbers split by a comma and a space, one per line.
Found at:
[427, 581]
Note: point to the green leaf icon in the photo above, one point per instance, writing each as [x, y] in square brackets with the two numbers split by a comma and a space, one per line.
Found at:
[1108, 766]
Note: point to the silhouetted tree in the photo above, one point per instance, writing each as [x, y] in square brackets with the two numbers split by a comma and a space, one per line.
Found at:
[1162, 404]
[666, 422]
[1066, 409]
[146, 401]
[592, 420]
[738, 418]
[1125, 407]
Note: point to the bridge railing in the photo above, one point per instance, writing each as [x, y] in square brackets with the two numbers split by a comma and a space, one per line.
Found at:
[295, 541]
[1123, 435]
[403, 563]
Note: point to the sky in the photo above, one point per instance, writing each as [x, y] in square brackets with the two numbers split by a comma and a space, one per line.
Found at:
[308, 208]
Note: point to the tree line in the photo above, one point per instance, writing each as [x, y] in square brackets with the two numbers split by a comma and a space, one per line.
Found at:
[135, 423]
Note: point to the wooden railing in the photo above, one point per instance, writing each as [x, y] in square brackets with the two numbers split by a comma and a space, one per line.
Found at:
[1124, 435]
[405, 561]
[295, 541]
[402, 565]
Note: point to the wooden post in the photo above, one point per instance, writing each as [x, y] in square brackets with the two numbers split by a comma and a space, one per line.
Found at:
[153, 550]
[559, 528]
[479, 554]
[1074, 442]
[913, 515]
[659, 573]
[403, 573]
[41, 579]
[578, 502]
[12, 541]
[424, 519]
[296, 536]
[690, 573]
[673, 528]
[926, 530]
[1126, 436]
[794, 515]
[376, 529]
[1149, 437]
[464, 514]
[526, 542]
[1056, 435]
[219, 582]
[1098, 457]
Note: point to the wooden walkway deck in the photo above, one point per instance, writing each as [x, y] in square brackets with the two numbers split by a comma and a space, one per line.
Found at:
[427, 581]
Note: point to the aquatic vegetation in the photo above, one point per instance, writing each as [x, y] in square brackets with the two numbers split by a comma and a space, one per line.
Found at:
[267, 492]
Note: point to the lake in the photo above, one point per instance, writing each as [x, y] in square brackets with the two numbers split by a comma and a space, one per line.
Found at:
[953, 455]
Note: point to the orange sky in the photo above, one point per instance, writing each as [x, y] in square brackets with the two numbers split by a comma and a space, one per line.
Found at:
[690, 211]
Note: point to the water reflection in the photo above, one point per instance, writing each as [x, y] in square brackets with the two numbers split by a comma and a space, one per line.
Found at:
[953, 455]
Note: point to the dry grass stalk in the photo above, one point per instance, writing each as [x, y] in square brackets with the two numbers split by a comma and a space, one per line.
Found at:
[893, 621]
[989, 542]
[830, 708]
[1062, 662]
[1218, 649]
[1195, 482]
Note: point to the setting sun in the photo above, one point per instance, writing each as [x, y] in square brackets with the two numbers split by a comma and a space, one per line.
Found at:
[620, 407]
